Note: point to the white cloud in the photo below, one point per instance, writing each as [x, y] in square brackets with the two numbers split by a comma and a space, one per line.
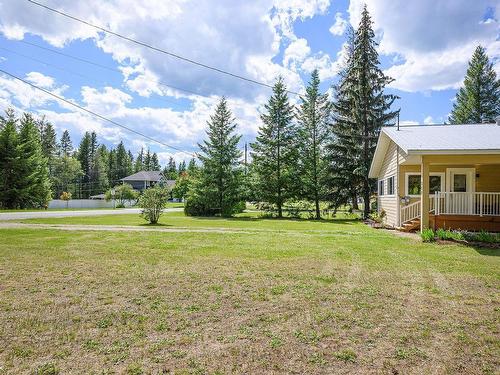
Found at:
[338, 28]
[428, 120]
[40, 79]
[433, 40]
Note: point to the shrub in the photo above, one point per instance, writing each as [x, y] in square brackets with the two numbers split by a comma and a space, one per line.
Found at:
[481, 236]
[122, 193]
[428, 235]
[152, 202]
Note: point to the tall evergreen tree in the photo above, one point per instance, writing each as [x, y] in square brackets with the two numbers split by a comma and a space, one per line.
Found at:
[35, 189]
[65, 146]
[170, 171]
[313, 116]
[147, 160]
[9, 161]
[181, 168]
[192, 167]
[478, 101]
[218, 187]
[139, 161]
[84, 157]
[123, 162]
[274, 152]
[47, 138]
[155, 164]
[368, 109]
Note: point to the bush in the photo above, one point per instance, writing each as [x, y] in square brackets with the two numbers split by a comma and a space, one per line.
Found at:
[152, 202]
[122, 193]
[428, 235]
[482, 236]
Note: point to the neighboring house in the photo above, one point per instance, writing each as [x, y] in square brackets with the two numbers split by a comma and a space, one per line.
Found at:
[455, 168]
[144, 179]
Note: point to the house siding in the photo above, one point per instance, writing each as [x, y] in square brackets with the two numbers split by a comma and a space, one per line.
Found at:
[389, 203]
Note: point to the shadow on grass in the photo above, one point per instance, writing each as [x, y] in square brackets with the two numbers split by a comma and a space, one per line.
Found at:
[276, 219]
[486, 249]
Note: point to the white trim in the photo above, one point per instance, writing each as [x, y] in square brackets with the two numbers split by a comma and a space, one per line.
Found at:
[470, 172]
[379, 192]
[440, 174]
[393, 186]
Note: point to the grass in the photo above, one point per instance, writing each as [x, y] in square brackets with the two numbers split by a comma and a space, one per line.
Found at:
[269, 297]
[169, 205]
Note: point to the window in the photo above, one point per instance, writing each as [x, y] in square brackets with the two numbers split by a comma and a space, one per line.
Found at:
[381, 187]
[390, 186]
[435, 183]
[413, 183]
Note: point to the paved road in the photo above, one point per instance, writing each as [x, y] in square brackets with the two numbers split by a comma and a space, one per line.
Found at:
[43, 214]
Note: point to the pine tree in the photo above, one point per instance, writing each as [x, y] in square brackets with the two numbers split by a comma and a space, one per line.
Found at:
[66, 146]
[34, 189]
[66, 172]
[147, 161]
[478, 101]
[139, 161]
[170, 171]
[155, 164]
[9, 161]
[274, 152]
[123, 162]
[47, 138]
[366, 109]
[313, 116]
[181, 168]
[218, 187]
[192, 167]
[84, 157]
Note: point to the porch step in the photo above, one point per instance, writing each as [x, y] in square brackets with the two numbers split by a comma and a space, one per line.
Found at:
[410, 226]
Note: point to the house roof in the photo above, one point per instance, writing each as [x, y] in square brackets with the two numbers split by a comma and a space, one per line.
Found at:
[144, 176]
[437, 139]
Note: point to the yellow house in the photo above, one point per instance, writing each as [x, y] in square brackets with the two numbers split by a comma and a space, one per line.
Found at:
[439, 176]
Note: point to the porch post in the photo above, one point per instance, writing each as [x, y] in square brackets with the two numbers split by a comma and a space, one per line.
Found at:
[424, 199]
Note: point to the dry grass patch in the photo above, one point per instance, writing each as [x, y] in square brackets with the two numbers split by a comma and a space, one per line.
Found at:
[266, 302]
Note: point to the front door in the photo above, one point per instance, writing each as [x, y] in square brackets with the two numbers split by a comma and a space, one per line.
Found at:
[461, 182]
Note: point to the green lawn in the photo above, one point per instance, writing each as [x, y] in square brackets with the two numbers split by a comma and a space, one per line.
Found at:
[276, 296]
[169, 205]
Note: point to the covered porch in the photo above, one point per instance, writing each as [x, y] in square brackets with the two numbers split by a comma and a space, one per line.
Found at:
[459, 192]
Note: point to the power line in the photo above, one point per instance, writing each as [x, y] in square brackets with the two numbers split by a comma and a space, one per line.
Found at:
[144, 44]
[68, 70]
[96, 114]
[107, 67]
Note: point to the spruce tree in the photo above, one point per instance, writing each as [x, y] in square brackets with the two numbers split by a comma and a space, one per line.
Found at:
[368, 108]
[123, 162]
[65, 146]
[181, 168]
[218, 187]
[147, 161]
[9, 161]
[478, 101]
[47, 138]
[139, 161]
[313, 116]
[192, 167]
[274, 151]
[155, 164]
[84, 157]
[34, 189]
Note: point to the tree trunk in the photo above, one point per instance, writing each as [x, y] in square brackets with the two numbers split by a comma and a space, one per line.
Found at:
[366, 200]
[355, 205]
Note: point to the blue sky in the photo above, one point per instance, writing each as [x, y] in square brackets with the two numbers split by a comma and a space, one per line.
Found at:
[424, 45]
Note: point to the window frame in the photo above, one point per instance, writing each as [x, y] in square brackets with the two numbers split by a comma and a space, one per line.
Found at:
[381, 188]
[432, 174]
[393, 186]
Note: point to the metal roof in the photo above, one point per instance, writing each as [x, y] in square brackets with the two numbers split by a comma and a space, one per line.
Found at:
[437, 139]
[470, 137]
[144, 176]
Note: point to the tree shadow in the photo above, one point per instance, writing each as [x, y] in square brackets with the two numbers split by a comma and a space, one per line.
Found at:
[486, 249]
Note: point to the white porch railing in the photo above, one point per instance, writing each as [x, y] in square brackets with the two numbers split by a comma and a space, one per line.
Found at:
[410, 212]
[454, 203]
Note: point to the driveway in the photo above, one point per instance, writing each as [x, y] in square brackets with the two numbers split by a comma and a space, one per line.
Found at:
[68, 213]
